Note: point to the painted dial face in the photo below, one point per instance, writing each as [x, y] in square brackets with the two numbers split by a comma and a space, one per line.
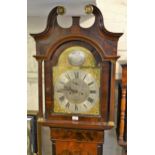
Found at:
[76, 91]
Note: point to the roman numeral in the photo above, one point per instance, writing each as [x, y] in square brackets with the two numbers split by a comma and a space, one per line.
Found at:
[93, 91]
[90, 100]
[61, 98]
[67, 105]
[85, 106]
[90, 83]
[68, 77]
[84, 77]
[76, 75]
[76, 107]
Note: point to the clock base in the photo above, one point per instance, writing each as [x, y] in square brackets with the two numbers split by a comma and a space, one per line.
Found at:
[76, 142]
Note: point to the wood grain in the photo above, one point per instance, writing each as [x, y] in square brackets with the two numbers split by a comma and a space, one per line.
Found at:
[122, 111]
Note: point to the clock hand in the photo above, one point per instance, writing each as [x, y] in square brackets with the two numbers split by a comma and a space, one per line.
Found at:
[70, 89]
[64, 89]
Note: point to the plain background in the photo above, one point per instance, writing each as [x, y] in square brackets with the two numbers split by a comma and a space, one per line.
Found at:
[141, 77]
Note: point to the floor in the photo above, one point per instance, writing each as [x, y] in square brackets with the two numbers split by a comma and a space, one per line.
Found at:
[110, 146]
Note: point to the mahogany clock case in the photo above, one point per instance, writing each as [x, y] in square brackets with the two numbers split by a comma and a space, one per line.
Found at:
[50, 88]
[103, 45]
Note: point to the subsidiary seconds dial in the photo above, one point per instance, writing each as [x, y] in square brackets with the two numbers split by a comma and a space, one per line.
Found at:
[76, 91]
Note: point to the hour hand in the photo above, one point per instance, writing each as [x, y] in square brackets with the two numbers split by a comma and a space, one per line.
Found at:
[70, 89]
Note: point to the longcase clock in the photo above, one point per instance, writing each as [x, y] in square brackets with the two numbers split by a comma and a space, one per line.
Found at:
[79, 80]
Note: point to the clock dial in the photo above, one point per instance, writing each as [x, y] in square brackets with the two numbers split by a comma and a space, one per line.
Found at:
[76, 58]
[76, 91]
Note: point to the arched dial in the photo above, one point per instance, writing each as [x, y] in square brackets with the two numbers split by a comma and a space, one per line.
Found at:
[76, 91]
